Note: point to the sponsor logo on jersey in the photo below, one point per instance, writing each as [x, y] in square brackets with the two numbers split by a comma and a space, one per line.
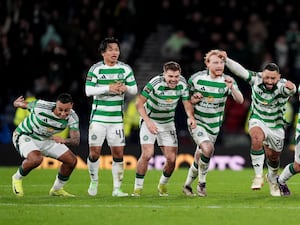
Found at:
[210, 99]
[147, 90]
[50, 129]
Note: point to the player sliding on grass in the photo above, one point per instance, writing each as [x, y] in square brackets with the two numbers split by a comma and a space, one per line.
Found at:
[270, 93]
[33, 139]
[209, 90]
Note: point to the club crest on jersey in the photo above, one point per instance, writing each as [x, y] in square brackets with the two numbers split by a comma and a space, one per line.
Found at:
[27, 139]
[221, 90]
[121, 76]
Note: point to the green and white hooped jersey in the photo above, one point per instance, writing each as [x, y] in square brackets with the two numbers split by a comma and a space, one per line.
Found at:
[42, 123]
[267, 105]
[162, 100]
[108, 107]
[209, 112]
[297, 136]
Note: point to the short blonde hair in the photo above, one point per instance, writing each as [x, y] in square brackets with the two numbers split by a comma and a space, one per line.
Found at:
[213, 52]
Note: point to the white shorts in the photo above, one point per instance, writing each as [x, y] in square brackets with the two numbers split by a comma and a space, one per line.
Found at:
[25, 144]
[114, 134]
[200, 135]
[166, 135]
[274, 138]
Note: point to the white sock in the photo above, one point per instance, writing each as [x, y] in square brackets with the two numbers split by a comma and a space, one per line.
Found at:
[258, 164]
[93, 168]
[17, 175]
[192, 175]
[58, 184]
[272, 173]
[117, 174]
[163, 179]
[286, 174]
[202, 170]
[139, 183]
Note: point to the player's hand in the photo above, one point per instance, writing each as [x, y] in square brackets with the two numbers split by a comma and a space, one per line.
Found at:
[58, 139]
[289, 85]
[223, 55]
[118, 88]
[229, 82]
[20, 102]
[192, 122]
[196, 97]
[152, 127]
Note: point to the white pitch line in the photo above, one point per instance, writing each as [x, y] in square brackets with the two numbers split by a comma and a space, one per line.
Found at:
[145, 206]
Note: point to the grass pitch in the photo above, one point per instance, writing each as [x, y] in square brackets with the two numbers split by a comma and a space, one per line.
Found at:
[230, 201]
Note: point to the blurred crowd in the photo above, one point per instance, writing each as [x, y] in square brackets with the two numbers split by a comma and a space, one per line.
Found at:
[46, 47]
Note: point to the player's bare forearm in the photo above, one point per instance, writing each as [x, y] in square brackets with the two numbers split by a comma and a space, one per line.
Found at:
[189, 109]
[74, 139]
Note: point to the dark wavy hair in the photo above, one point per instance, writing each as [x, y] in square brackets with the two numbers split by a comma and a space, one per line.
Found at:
[103, 45]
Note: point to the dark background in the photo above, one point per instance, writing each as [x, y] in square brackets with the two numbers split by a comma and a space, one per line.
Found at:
[46, 47]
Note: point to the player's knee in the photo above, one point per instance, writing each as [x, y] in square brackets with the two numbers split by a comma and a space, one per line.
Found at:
[36, 161]
[73, 162]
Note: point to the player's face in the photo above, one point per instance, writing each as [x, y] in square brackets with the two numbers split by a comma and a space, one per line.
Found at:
[270, 78]
[172, 78]
[63, 110]
[215, 65]
[111, 55]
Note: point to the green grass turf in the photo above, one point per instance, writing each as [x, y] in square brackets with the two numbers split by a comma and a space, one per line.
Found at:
[230, 201]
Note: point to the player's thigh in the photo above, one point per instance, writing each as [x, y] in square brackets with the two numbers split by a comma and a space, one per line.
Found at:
[97, 134]
[146, 137]
[115, 135]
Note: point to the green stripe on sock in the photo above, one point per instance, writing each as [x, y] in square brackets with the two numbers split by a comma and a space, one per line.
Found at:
[259, 152]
